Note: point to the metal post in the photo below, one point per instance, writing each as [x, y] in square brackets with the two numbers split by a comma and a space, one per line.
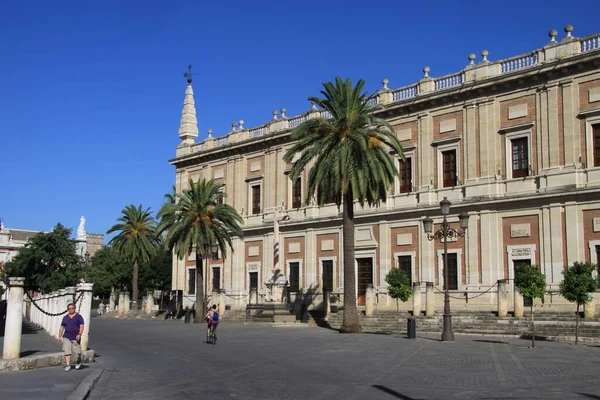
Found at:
[447, 334]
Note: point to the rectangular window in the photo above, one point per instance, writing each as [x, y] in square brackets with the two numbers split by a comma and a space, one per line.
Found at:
[449, 168]
[405, 264]
[216, 280]
[256, 199]
[294, 277]
[405, 172]
[297, 194]
[253, 278]
[330, 198]
[192, 281]
[520, 157]
[596, 130]
[327, 275]
[452, 271]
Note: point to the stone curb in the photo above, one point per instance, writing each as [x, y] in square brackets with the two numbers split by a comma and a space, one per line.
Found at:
[41, 361]
[85, 387]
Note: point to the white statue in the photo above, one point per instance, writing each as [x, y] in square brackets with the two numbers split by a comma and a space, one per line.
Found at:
[81, 229]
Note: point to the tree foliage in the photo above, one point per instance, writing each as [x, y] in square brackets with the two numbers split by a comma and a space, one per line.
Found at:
[198, 219]
[578, 283]
[399, 287]
[156, 273]
[109, 270]
[530, 281]
[48, 261]
[352, 161]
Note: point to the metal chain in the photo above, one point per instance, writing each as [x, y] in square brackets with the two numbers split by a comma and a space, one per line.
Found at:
[79, 299]
[470, 298]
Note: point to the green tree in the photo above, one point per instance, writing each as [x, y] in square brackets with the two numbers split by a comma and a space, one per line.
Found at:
[109, 271]
[577, 286]
[136, 241]
[399, 289]
[156, 273]
[48, 261]
[531, 283]
[197, 220]
[352, 161]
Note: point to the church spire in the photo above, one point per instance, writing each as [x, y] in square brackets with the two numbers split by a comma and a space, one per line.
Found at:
[188, 128]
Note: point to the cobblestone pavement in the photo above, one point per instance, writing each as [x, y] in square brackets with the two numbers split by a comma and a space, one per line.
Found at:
[169, 360]
[51, 383]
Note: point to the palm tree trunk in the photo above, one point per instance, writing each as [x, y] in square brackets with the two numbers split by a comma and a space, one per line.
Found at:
[577, 325]
[134, 289]
[200, 305]
[350, 322]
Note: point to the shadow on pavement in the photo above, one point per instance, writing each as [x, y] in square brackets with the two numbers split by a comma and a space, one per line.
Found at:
[393, 393]
[589, 396]
[489, 341]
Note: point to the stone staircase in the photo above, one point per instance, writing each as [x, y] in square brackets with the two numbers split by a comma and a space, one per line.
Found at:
[548, 325]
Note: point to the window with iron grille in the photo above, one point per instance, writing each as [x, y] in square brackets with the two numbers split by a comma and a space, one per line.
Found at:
[297, 194]
[192, 281]
[405, 264]
[520, 157]
[449, 168]
[216, 278]
[294, 277]
[256, 199]
[596, 130]
[405, 172]
[327, 275]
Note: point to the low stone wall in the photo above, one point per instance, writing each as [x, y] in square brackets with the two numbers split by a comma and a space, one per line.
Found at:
[41, 361]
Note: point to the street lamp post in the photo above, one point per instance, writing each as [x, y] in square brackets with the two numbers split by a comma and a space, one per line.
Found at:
[446, 233]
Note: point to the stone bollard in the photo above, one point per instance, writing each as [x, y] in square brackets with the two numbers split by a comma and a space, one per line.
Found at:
[149, 301]
[369, 300]
[121, 309]
[518, 303]
[222, 301]
[44, 306]
[126, 303]
[111, 301]
[429, 299]
[86, 312]
[589, 309]
[502, 298]
[416, 299]
[14, 319]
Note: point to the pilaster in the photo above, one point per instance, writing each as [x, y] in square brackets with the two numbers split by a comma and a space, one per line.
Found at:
[492, 256]
[552, 138]
[571, 141]
[575, 240]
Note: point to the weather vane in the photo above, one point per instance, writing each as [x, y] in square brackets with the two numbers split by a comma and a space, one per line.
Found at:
[189, 74]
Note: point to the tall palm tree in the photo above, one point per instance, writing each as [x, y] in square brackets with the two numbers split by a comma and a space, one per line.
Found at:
[352, 161]
[136, 241]
[196, 222]
[171, 196]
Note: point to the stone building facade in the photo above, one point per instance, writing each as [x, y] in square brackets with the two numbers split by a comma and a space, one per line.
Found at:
[515, 143]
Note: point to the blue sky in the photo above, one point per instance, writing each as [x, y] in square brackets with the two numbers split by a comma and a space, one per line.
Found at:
[91, 92]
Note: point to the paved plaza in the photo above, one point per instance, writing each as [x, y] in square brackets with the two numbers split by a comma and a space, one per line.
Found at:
[169, 360]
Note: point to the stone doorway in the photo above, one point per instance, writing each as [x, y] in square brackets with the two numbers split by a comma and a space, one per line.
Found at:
[364, 278]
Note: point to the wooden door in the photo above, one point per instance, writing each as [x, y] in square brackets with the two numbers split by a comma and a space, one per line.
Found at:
[253, 276]
[328, 276]
[516, 265]
[365, 277]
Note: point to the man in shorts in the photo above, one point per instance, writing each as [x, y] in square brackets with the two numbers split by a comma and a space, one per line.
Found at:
[71, 329]
[212, 317]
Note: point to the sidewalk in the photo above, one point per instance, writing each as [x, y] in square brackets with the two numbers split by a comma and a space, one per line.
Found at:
[34, 341]
[51, 383]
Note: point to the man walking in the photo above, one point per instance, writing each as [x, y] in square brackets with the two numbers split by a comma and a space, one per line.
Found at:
[70, 333]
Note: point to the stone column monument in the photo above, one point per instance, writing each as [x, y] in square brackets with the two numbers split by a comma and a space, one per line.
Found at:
[14, 319]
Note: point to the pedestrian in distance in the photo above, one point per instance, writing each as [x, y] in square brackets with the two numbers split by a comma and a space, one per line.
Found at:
[71, 329]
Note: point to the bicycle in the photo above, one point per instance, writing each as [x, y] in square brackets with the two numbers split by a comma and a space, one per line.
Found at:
[212, 336]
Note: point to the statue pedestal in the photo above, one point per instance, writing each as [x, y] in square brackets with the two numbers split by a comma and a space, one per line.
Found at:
[275, 286]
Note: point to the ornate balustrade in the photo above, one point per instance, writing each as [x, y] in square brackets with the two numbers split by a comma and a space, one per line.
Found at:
[553, 51]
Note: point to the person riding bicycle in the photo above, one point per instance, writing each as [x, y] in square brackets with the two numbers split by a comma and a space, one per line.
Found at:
[212, 318]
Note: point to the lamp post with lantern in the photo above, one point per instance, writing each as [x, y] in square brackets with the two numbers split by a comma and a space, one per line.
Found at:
[445, 233]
